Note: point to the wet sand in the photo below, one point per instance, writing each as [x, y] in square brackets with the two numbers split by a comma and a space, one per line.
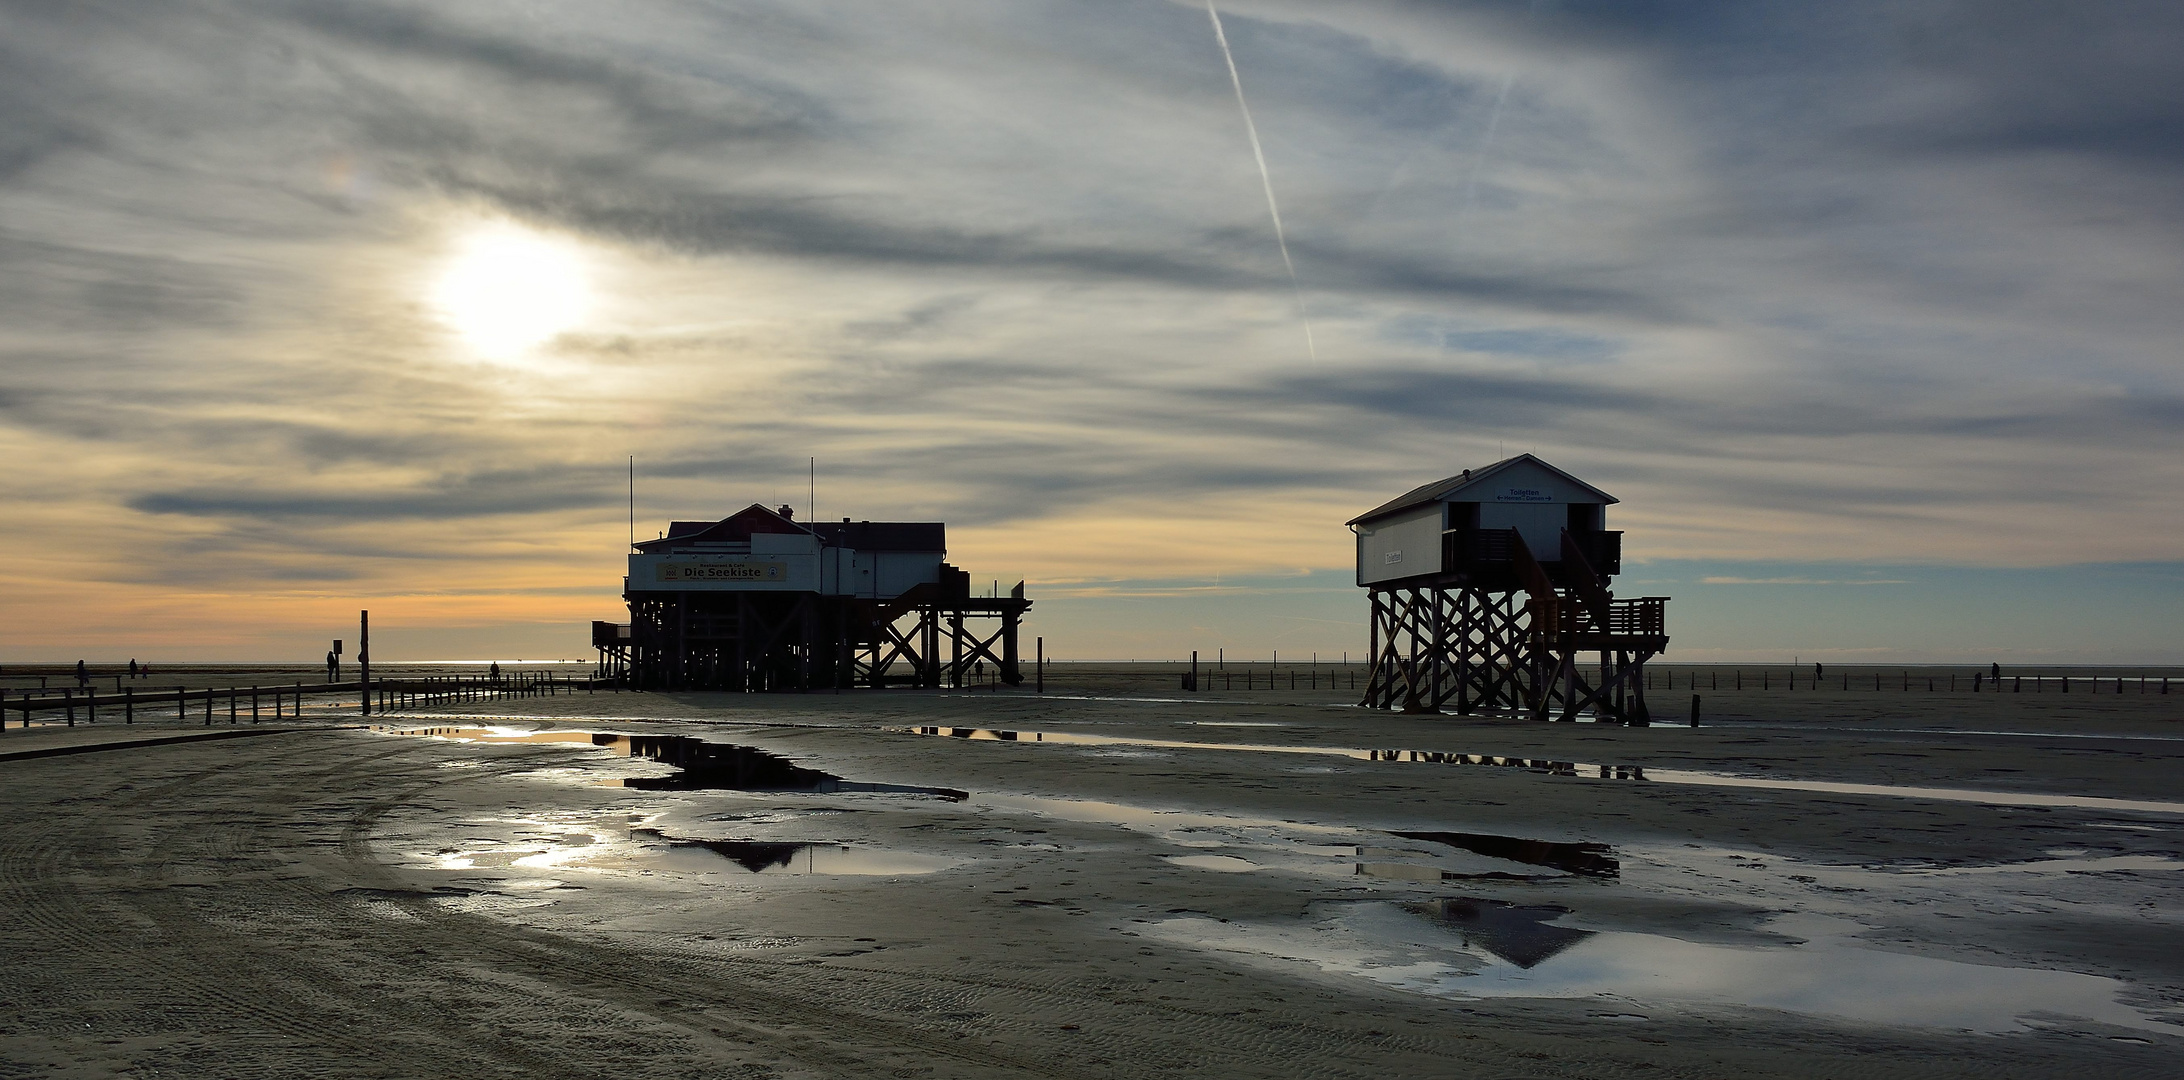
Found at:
[337, 901]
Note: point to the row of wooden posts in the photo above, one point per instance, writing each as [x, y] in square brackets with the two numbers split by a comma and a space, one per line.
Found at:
[286, 701]
[1228, 679]
[1735, 679]
[392, 697]
[1665, 679]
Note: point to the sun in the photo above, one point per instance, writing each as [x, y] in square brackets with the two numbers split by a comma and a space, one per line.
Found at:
[508, 289]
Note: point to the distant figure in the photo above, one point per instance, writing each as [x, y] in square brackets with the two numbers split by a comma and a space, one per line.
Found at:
[496, 671]
[83, 674]
[1994, 671]
[132, 667]
[1817, 672]
[333, 667]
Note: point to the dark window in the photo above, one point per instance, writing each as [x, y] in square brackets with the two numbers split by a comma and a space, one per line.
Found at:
[1464, 515]
[1584, 517]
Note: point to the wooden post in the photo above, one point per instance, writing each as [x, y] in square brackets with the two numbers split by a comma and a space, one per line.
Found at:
[955, 637]
[128, 706]
[364, 661]
[1694, 710]
[253, 704]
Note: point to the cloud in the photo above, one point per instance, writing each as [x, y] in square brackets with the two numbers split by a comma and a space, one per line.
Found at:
[1884, 281]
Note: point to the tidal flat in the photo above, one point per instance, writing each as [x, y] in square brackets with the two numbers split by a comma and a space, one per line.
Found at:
[1112, 879]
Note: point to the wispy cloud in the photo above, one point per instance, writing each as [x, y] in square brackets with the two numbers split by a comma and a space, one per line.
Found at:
[1888, 283]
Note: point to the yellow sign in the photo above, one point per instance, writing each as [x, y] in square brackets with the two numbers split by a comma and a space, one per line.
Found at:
[738, 570]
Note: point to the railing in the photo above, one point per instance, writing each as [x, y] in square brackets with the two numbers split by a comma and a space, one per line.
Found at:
[1644, 616]
[184, 704]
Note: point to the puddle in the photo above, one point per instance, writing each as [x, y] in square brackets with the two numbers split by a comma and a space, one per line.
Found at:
[793, 858]
[1237, 844]
[699, 765]
[1228, 864]
[1577, 769]
[1464, 948]
[512, 854]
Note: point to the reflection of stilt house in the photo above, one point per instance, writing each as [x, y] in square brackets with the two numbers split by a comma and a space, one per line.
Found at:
[1489, 587]
[760, 601]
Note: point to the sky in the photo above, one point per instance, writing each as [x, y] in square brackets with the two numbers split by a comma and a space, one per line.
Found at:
[1869, 313]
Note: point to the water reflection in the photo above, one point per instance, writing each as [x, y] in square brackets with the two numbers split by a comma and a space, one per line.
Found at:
[700, 765]
[1234, 843]
[1554, 767]
[1471, 948]
[1590, 859]
[779, 858]
[1523, 936]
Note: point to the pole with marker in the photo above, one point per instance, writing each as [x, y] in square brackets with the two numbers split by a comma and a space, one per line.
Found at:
[364, 660]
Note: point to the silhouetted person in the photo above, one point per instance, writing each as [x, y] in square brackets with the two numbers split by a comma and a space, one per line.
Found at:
[333, 666]
[83, 674]
[1818, 671]
[1995, 672]
[132, 667]
[495, 673]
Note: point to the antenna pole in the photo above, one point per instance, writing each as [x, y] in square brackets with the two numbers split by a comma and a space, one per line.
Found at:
[633, 500]
[811, 489]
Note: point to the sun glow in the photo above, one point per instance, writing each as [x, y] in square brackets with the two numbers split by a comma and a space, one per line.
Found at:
[507, 289]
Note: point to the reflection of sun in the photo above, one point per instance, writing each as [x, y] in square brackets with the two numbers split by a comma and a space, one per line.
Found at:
[508, 289]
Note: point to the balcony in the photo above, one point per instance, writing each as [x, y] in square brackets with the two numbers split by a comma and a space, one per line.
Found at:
[1493, 550]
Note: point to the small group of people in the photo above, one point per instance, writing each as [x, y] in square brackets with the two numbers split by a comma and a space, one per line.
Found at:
[136, 671]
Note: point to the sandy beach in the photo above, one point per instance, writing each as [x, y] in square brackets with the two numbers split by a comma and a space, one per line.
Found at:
[1123, 883]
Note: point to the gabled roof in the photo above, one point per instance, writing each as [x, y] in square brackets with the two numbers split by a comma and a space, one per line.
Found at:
[1454, 488]
[736, 527]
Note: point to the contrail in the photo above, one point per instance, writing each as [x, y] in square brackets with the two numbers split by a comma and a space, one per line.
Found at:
[1266, 179]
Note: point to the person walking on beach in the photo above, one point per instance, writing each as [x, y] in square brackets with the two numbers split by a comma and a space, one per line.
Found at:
[132, 667]
[83, 674]
[333, 666]
[495, 673]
